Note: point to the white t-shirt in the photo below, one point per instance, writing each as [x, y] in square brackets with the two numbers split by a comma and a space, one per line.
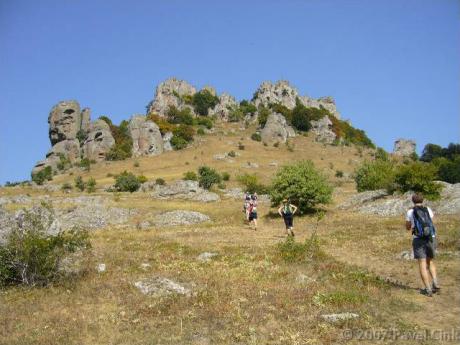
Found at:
[410, 217]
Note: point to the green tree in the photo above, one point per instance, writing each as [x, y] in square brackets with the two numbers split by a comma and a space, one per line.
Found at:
[127, 182]
[302, 184]
[418, 177]
[208, 177]
[203, 101]
[378, 174]
[79, 183]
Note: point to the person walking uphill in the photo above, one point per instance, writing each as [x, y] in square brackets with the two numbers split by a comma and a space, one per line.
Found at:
[419, 220]
[287, 211]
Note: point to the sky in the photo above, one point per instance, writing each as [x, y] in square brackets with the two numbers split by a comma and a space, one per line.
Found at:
[393, 66]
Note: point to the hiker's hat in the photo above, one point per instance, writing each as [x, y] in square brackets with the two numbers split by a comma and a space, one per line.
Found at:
[285, 200]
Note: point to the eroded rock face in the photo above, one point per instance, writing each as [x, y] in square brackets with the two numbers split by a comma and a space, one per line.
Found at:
[276, 130]
[69, 148]
[167, 141]
[99, 141]
[65, 120]
[323, 130]
[280, 92]
[188, 190]
[170, 93]
[404, 147]
[225, 106]
[146, 136]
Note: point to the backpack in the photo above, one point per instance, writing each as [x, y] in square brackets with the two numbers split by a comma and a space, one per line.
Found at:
[287, 210]
[423, 225]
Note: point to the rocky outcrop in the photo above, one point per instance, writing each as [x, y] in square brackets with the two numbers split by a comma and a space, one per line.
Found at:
[160, 287]
[276, 130]
[146, 136]
[171, 92]
[404, 147]
[65, 120]
[98, 141]
[188, 190]
[69, 148]
[167, 141]
[179, 217]
[327, 103]
[226, 104]
[323, 130]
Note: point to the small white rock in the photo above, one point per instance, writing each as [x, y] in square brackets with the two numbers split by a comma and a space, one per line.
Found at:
[101, 268]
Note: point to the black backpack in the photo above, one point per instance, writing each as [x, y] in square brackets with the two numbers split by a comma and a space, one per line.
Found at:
[423, 225]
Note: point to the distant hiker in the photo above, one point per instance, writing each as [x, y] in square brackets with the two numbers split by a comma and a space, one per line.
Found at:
[253, 213]
[287, 211]
[419, 220]
[254, 198]
[247, 199]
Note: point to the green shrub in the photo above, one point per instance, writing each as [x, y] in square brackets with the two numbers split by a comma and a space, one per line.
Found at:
[159, 181]
[123, 142]
[418, 177]
[161, 122]
[449, 171]
[79, 183]
[235, 115]
[182, 135]
[46, 174]
[240, 146]
[66, 187]
[142, 179]
[180, 116]
[300, 118]
[247, 108]
[221, 185]
[292, 251]
[378, 174]
[232, 154]
[339, 173]
[343, 130]
[302, 184]
[225, 176]
[256, 137]
[203, 101]
[207, 177]
[136, 164]
[200, 131]
[204, 121]
[178, 143]
[85, 163]
[64, 162]
[127, 182]
[32, 257]
[381, 154]
[91, 185]
[283, 110]
[263, 114]
[190, 175]
[251, 184]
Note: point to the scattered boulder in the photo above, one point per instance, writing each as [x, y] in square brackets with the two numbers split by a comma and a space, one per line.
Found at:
[363, 197]
[100, 268]
[180, 217]
[332, 318]
[235, 193]
[184, 189]
[169, 93]
[146, 136]
[323, 130]
[206, 256]
[404, 147]
[276, 130]
[167, 141]
[99, 141]
[160, 287]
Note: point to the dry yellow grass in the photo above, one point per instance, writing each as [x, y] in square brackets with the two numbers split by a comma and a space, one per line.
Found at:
[248, 294]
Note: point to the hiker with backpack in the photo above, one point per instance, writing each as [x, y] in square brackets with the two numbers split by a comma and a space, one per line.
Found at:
[287, 211]
[419, 220]
[252, 210]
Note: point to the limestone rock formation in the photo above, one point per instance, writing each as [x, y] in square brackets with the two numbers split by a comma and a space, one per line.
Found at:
[404, 147]
[99, 141]
[180, 217]
[64, 121]
[146, 136]
[225, 106]
[276, 130]
[188, 190]
[280, 92]
[167, 141]
[69, 148]
[326, 102]
[170, 93]
[323, 130]
[160, 286]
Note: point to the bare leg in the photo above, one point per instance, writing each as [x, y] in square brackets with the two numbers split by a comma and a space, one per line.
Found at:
[255, 224]
[432, 269]
[424, 273]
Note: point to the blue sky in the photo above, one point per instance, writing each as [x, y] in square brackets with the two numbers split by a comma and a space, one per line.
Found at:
[393, 66]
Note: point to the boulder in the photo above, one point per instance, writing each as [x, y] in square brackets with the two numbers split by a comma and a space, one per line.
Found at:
[206, 256]
[404, 147]
[183, 189]
[160, 286]
[180, 217]
[167, 141]
[170, 93]
[64, 121]
[332, 318]
[99, 141]
[276, 130]
[226, 104]
[146, 136]
[323, 130]
[363, 197]
[69, 148]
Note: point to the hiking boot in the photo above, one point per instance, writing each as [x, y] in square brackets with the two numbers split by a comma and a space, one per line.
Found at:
[426, 292]
[435, 288]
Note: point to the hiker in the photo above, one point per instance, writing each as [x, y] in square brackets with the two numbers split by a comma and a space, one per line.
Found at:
[254, 198]
[253, 213]
[247, 199]
[419, 220]
[287, 211]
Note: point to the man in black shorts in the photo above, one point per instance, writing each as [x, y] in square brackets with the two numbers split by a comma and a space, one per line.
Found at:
[287, 211]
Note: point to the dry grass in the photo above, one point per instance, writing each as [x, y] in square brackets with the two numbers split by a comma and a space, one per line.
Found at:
[248, 294]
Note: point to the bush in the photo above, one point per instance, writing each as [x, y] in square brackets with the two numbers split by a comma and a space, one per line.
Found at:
[225, 176]
[127, 182]
[85, 163]
[232, 154]
[66, 187]
[448, 171]
[91, 185]
[46, 174]
[142, 179]
[235, 115]
[204, 100]
[378, 174]
[207, 177]
[159, 181]
[240, 146]
[64, 162]
[178, 143]
[164, 125]
[31, 256]
[180, 116]
[302, 184]
[200, 131]
[292, 251]
[343, 130]
[247, 108]
[339, 173]
[263, 114]
[123, 142]
[136, 164]
[80, 184]
[190, 175]
[418, 177]
[251, 183]
[381, 154]
[204, 121]
[256, 137]
[300, 118]
[182, 135]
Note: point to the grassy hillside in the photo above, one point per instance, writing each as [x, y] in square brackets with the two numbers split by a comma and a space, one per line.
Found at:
[248, 294]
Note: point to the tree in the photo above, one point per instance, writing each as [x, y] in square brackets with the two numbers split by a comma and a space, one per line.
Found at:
[127, 182]
[203, 101]
[300, 118]
[378, 174]
[207, 177]
[430, 152]
[302, 184]
[418, 177]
